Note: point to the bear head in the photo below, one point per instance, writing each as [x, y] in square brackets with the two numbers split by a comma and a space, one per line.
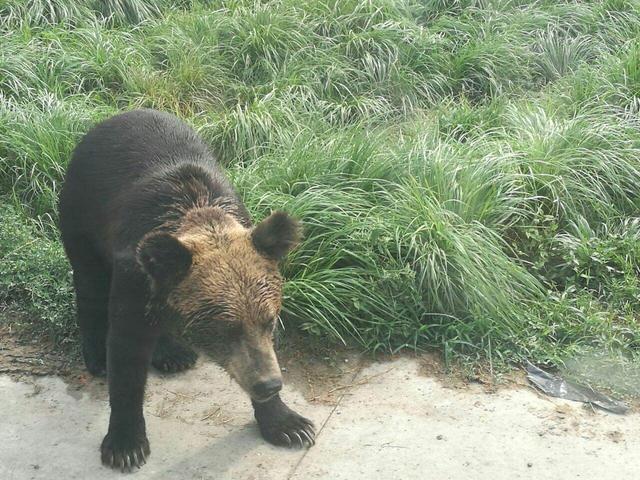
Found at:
[223, 277]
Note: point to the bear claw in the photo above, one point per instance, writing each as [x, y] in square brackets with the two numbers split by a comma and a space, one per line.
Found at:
[296, 436]
[309, 437]
[124, 458]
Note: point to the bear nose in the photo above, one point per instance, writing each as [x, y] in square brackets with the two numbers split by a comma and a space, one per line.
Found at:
[268, 388]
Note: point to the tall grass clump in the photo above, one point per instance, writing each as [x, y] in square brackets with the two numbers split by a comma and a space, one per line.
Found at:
[583, 166]
[466, 170]
[36, 142]
[44, 13]
[559, 54]
[35, 278]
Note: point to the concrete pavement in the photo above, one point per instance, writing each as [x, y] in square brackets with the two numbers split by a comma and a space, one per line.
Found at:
[387, 421]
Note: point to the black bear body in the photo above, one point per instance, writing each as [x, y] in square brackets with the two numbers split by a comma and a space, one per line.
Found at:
[156, 235]
[122, 177]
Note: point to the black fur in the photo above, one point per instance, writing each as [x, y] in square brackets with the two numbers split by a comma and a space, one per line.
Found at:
[163, 258]
[172, 356]
[132, 178]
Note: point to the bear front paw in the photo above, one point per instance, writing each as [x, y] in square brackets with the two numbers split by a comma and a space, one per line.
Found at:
[125, 452]
[171, 356]
[282, 426]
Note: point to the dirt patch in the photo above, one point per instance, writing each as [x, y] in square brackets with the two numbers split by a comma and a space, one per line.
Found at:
[318, 371]
[23, 358]
[20, 357]
[322, 373]
[616, 436]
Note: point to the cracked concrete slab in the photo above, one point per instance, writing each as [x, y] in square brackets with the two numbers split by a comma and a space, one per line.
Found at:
[390, 422]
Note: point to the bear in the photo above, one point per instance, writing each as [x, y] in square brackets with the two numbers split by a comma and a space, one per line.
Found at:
[158, 238]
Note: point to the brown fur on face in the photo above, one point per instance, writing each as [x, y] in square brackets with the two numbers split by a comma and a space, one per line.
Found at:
[233, 288]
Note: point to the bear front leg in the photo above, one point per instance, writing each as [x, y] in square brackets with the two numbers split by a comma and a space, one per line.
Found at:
[130, 343]
[126, 444]
[282, 426]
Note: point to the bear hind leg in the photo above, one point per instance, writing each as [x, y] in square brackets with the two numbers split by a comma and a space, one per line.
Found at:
[91, 282]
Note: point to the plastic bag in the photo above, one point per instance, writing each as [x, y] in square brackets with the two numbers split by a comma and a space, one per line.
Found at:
[556, 386]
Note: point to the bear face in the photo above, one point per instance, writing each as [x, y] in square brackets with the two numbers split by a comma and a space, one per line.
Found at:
[222, 276]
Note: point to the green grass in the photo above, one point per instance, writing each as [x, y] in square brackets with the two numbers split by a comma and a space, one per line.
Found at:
[36, 278]
[467, 171]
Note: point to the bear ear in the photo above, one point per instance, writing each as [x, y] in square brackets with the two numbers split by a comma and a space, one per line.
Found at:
[277, 235]
[163, 257]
